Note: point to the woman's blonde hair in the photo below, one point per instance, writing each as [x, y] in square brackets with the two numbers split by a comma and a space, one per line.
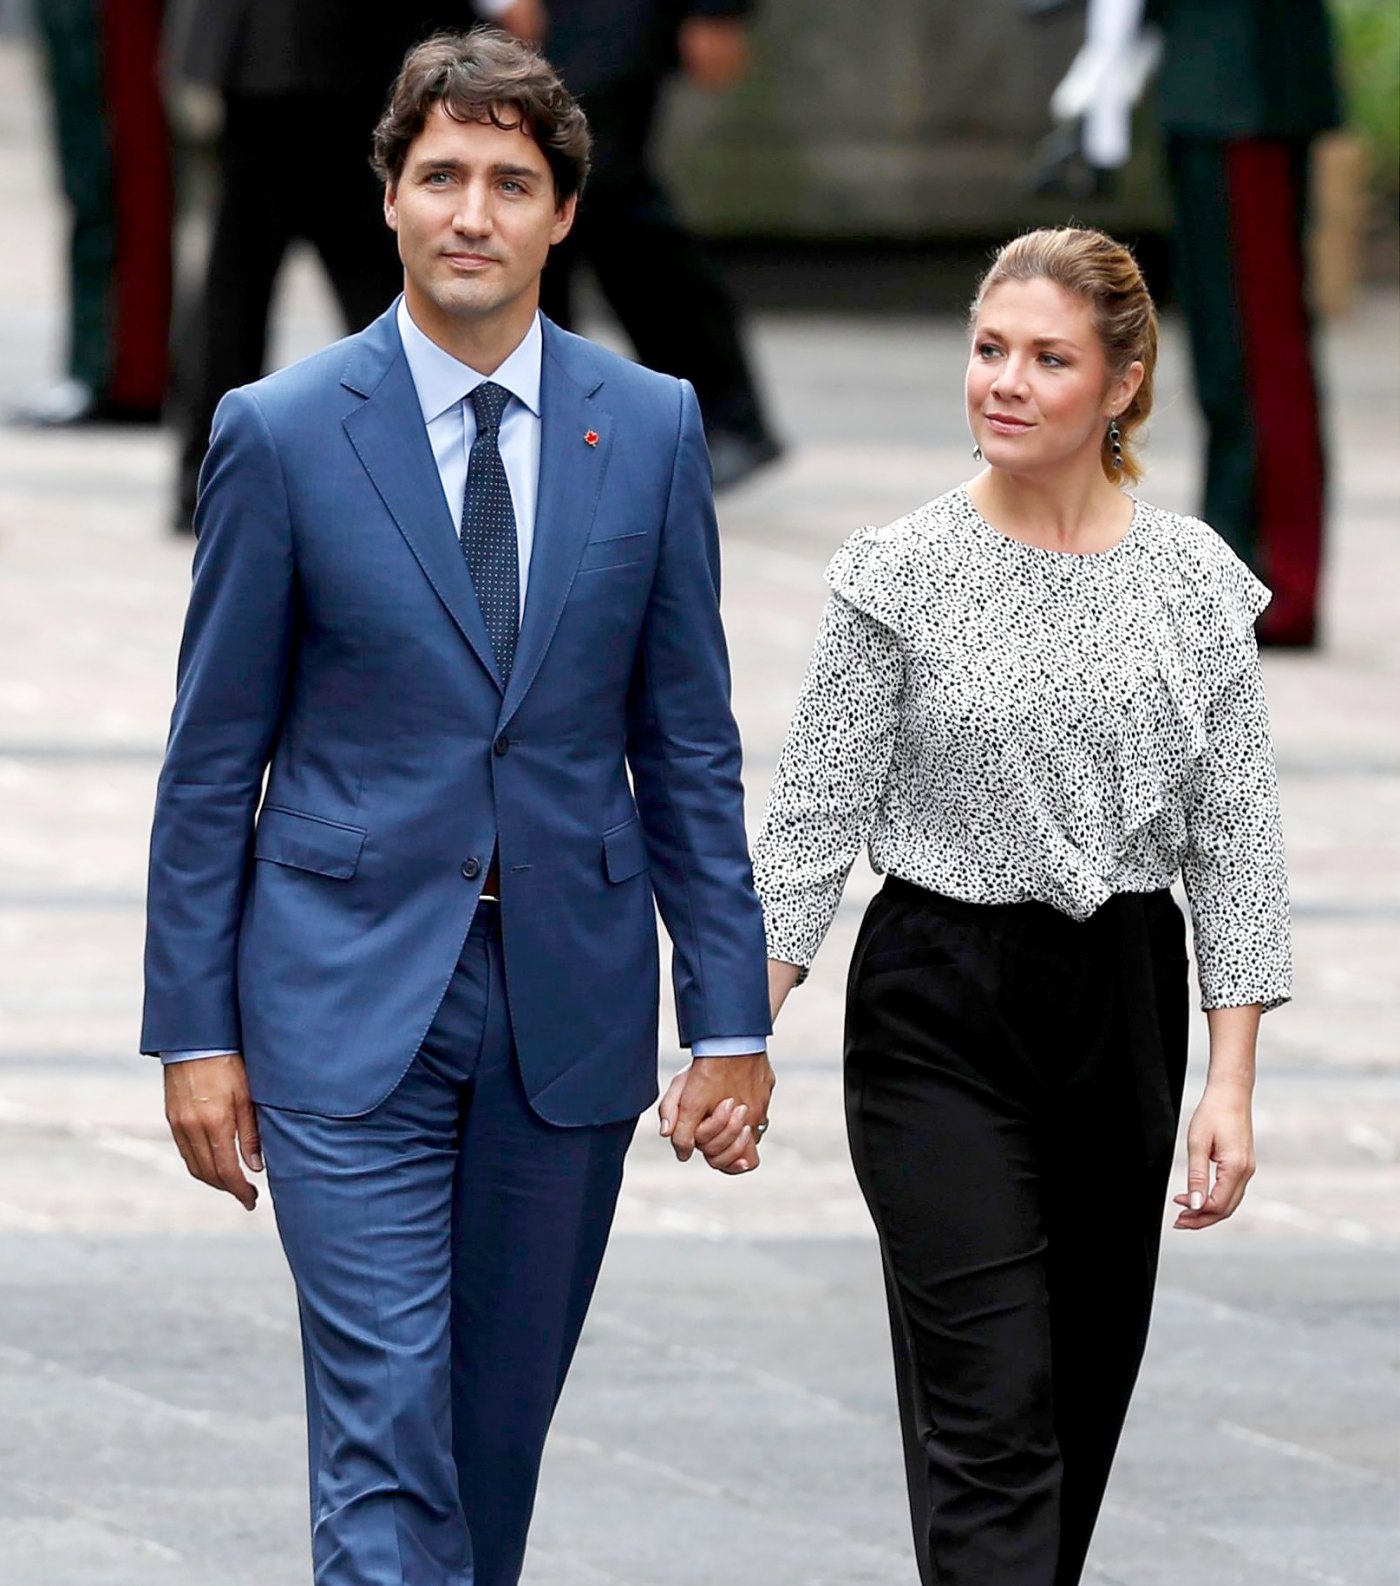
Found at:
[1093, 266]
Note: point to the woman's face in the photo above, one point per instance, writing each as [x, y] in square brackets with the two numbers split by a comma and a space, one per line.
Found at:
[1039, 394]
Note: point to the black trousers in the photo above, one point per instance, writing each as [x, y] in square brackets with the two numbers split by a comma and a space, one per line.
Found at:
[293, 167]
[656, 278]
[1013, 1083]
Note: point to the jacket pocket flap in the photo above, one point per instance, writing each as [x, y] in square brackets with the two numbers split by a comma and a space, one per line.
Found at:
[620, 552]
[624, 851]
[306, 842]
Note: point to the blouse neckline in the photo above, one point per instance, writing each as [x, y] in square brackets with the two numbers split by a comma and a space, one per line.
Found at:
[1127, 535]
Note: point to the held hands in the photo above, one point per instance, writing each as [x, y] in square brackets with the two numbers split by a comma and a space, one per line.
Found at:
[210, 1113]
[719, 1106]
[1221, 1132]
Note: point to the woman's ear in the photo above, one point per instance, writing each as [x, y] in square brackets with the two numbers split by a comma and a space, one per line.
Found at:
[1122, 392]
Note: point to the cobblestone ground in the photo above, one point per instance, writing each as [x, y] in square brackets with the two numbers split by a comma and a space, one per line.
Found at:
[731, 1412]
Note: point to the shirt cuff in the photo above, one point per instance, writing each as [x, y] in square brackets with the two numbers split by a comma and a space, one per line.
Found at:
[203, 1051]
[728, 1045]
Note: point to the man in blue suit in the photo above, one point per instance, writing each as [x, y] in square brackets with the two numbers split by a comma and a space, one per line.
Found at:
[456, 578]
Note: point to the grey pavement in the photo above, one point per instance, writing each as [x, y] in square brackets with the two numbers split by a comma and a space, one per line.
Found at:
[731, 1413]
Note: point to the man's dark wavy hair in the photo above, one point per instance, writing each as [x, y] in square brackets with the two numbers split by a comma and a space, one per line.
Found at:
[484, 75]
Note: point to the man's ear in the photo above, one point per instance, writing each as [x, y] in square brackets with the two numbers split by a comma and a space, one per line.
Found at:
[564, 219]
[391, 208]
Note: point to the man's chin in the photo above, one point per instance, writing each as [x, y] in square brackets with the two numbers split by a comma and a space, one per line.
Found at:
[470, 298]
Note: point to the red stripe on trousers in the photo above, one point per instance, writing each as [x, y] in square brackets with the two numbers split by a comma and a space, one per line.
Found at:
[1271, 294]
[140, 144]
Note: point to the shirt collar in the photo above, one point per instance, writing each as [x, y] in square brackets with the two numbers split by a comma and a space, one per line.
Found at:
[442, 381]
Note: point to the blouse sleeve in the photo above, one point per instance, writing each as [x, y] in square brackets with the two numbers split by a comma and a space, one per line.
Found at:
[1234, 865]
[829, 779]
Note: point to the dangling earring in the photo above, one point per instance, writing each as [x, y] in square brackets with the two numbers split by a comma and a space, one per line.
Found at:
[977, 454]
[1115, 440]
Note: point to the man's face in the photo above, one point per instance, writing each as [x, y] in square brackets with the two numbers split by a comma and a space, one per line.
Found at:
[476, 215]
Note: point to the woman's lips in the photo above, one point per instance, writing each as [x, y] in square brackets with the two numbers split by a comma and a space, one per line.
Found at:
[1004, 424]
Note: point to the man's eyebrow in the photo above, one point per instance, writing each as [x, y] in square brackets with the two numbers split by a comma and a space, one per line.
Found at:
[448, 162]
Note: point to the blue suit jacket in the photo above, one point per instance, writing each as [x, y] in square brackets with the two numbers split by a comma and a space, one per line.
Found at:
[334, 644]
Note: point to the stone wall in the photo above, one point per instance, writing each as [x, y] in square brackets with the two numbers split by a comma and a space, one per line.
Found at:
[887, 119]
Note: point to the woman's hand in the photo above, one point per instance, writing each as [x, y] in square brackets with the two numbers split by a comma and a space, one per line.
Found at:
[1222, 1127]
[1221, 1132]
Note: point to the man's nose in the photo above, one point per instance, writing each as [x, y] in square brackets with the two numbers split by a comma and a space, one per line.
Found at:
[473, 213]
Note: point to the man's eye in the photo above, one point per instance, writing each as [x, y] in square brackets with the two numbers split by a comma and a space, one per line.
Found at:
[511, 186]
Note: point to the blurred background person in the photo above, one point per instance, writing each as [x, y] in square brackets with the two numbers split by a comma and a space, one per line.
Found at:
[302, 83]
[1244, 88]
[654, 275]
[114, 160]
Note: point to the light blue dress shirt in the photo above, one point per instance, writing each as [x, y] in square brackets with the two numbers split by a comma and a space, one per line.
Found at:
[444, 385]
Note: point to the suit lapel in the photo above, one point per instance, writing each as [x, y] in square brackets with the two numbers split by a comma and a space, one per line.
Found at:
[575, 439]
[389, 438]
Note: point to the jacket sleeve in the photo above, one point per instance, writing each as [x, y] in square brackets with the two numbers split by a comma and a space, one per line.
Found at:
[233, 670]
[683, 749]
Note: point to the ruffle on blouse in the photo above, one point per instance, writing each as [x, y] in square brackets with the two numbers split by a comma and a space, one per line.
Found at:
[888, 573]
[1202, 639]
[1204, 602]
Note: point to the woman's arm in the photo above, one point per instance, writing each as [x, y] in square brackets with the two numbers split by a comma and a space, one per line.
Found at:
[829, 779]
[781, 979]
[1233, 866]
[1222, 1128]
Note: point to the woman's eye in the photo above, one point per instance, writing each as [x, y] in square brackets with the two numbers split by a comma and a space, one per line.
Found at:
[987, 350]
[1051, 361]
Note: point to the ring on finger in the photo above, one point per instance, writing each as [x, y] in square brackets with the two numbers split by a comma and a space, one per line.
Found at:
[760, 1129]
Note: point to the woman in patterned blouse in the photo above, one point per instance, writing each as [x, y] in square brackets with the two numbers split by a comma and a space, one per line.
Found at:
[1037, 700]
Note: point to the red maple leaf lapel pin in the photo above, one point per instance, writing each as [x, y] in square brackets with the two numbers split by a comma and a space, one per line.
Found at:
[591, 438]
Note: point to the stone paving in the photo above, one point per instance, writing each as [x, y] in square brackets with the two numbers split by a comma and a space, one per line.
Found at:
[731, 1413]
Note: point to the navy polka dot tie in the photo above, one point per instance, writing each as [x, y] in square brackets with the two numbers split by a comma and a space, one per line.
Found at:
[488, 528]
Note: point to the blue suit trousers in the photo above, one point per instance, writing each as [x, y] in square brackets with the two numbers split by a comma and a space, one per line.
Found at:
[445, 1248]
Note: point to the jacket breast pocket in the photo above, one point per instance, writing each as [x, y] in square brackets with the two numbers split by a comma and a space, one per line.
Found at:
[624, 851]
[623, 550]
[307, 842]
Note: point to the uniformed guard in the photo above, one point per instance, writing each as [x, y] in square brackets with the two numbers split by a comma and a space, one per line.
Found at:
[1244, 88]
[114, 157]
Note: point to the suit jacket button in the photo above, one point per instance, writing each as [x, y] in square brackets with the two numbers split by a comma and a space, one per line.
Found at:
[502, 744]
[471, 868]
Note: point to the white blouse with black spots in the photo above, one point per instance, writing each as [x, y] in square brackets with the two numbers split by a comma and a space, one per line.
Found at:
[1001, 722]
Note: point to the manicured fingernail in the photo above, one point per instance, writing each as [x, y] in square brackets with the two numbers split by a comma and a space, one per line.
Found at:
[665, 1127]
[740, 1112]
[1197, 1200]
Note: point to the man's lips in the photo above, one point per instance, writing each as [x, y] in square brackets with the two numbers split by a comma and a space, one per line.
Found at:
[470, 261]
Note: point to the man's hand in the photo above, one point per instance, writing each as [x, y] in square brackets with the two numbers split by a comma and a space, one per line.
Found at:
[210, 1114]
[719, 1104]
[526, 19]
[714, 51]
